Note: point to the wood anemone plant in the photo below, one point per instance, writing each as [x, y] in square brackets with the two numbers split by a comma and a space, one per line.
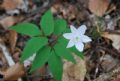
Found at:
[48, 44]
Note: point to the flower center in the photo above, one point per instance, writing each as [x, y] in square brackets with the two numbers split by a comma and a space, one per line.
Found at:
[77, 39]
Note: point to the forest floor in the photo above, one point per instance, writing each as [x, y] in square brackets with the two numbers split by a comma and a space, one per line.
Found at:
[102, 55]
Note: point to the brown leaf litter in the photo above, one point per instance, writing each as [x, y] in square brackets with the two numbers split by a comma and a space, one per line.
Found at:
[98, 7]
[115, 37]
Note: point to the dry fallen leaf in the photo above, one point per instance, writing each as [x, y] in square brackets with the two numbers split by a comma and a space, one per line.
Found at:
[12, 37]
[117, 78]
[42, 71]
[12, 6]
[115, 37]
[108, 62]
[14, 72]
[16, 54]
[9, 21]
[9, 4]
[74, 72]
[67, 11]
[98, 7]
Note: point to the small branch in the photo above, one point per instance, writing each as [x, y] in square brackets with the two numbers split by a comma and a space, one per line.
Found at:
[8, 57]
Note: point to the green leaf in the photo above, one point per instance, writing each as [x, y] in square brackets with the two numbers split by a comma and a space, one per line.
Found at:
[47, 23]
[56, 66]
[80, 54]
[64, 52]
[63, 41]
[26, 29]
[41, 58]
[60, 26]
[72, 49]
[32, 46]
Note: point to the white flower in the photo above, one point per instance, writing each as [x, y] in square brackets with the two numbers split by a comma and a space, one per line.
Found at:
[77, 37]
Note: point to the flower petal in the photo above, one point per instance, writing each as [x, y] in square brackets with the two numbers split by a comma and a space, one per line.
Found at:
[73, 29]
[86, 39]
[79, 46]
[68, 35]
[82, 29]
[70, 44]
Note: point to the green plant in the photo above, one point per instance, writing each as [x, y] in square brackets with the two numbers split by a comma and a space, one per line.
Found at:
[48, 44]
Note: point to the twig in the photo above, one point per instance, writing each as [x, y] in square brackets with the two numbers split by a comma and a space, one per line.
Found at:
[8, 57]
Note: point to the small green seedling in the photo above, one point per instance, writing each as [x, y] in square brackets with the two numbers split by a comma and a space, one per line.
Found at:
[48, 44]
